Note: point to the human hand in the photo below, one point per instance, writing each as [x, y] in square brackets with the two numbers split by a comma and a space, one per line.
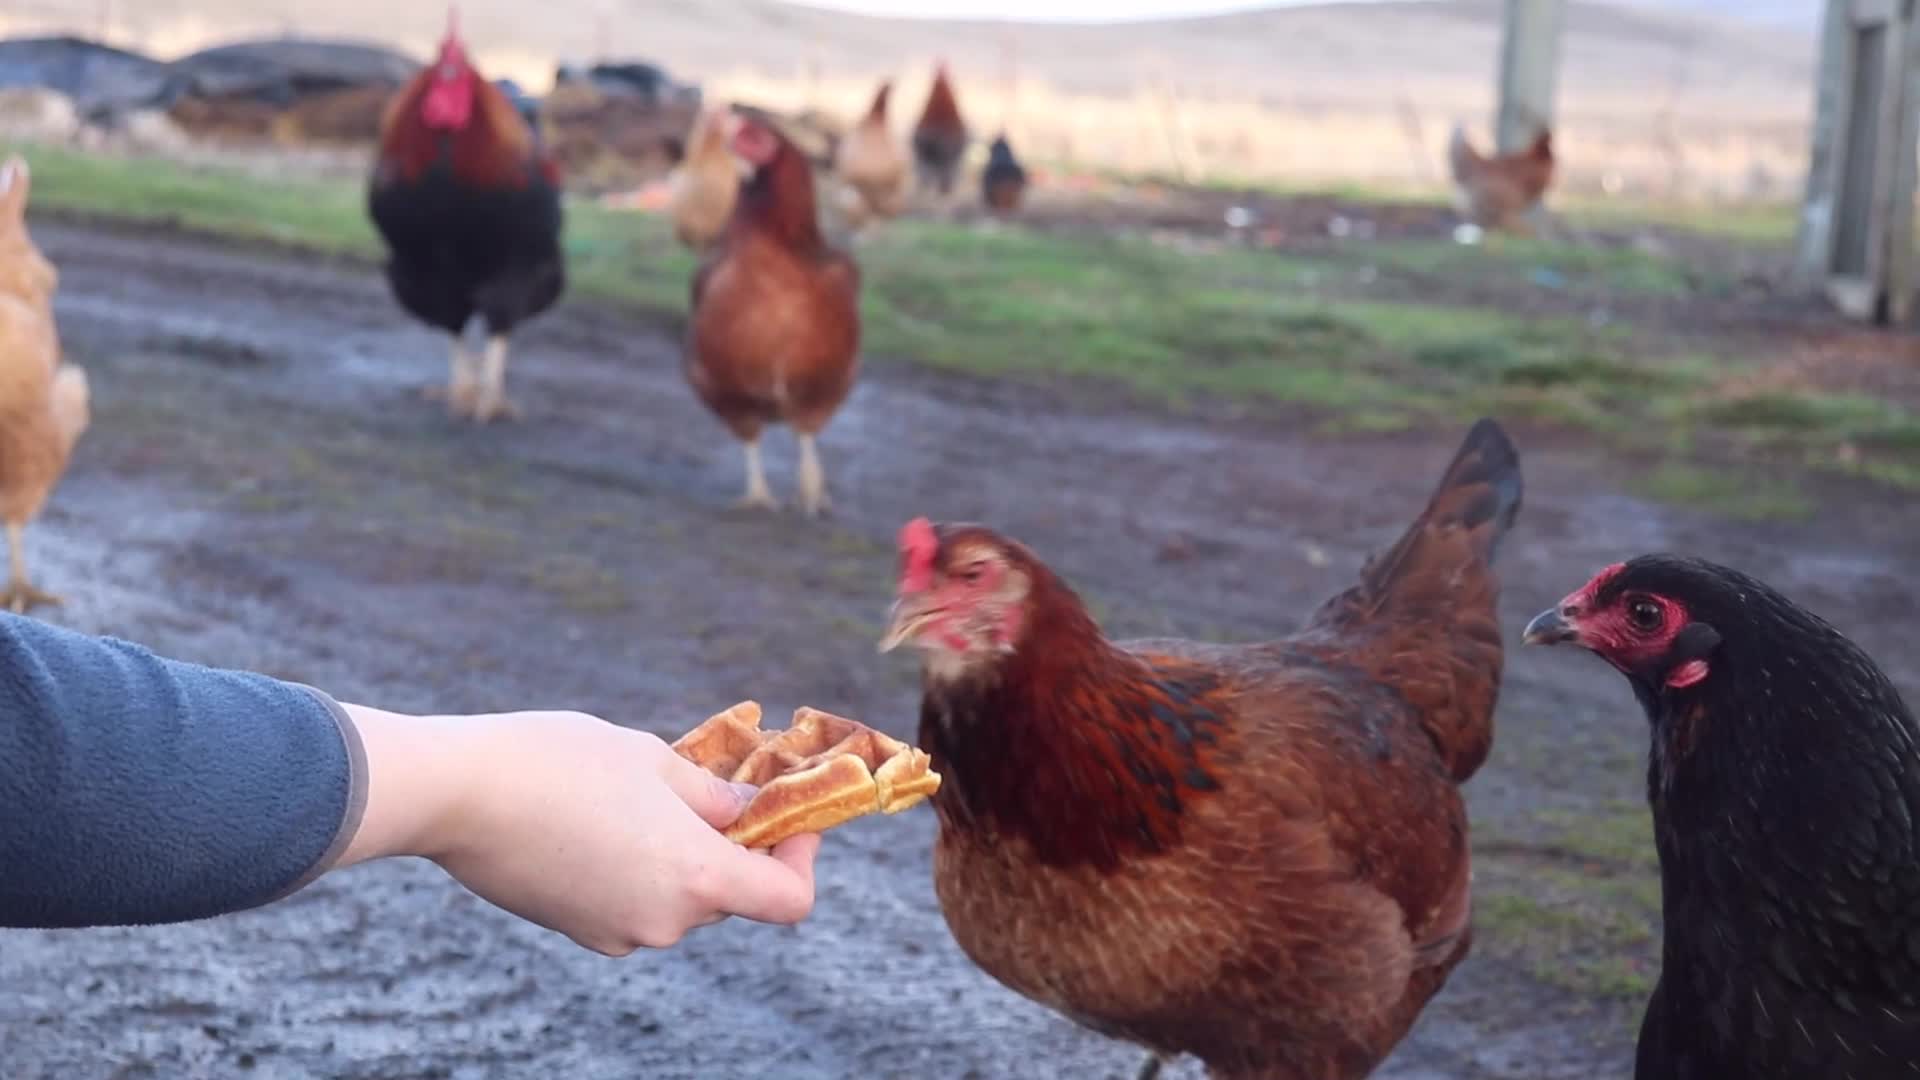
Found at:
[599, 832]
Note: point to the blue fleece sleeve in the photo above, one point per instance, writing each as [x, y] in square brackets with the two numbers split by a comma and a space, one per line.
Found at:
[135, 789]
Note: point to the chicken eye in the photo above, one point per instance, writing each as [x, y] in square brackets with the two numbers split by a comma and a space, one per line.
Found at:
[1643, 613]
[973, 573]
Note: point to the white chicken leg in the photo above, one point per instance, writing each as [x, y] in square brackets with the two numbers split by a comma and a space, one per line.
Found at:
[759, 496]
[813, 479]
[490, 403]
[461, 373]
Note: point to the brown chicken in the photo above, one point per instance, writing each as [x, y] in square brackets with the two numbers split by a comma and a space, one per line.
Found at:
[872, 163]
[43, 403]
[940, 138]
[707, 183]
[1497, 192]
[775, 334]
[1255, 854]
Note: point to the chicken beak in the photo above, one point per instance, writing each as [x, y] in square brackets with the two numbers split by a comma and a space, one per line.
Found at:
[1551, 627]
[910, 615]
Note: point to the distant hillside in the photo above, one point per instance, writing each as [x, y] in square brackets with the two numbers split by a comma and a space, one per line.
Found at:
[1797, 14]
[1308, 51]
[1362, 90]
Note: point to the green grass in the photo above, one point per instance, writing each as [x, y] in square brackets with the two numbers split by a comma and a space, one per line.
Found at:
[1580, 907]
[288, 210]
[1727, 492]
[1814, 417]
[1587, 951]
[1764, 224]
[1538, 263]
[1174, 324]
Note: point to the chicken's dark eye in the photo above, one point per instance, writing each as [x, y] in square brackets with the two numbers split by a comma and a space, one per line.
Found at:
[1643, 613]
[973, 573]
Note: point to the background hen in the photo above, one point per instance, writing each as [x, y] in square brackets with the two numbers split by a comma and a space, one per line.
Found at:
[775, 333]
[1785, 783]
[1004, 181]
[43, 403]
[872, 163]
[468, 203]
[1255, 854]
[705, 185]
[940, 137]
[1497, 192]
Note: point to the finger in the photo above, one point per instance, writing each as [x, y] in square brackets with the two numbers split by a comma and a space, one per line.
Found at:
[798, 853]
[776, 888]
[717, 802]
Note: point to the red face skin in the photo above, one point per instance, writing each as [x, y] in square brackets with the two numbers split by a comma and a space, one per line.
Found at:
[972, 607]
[448, 103]
[1632, 630]
[755, 144]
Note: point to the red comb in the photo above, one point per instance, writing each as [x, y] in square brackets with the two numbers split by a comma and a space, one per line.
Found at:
[919, 545]
[450, 45]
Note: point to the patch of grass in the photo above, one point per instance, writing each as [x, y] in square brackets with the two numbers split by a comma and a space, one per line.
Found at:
[1566, 945]
[289, 209]
[1579, 906]
[1620, 833]
[1777, 414]
[1166, 322]
[1171, 322]
[1722, 491]
[1847, 432]
[1769, 224]
[1537, 263]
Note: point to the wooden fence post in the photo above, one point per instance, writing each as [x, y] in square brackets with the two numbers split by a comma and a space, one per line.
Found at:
[1813, 243]
[1529, 71]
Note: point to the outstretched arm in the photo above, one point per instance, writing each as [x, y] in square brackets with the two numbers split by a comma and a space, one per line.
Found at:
[135, 789]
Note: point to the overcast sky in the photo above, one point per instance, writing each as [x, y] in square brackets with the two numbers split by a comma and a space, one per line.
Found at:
[1044, 9]
[1799, 12]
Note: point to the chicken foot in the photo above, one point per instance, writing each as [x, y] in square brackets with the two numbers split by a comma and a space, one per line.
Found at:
[19, 596]
[460, 391]
[813, 479]
[759, 496]
[491, 401]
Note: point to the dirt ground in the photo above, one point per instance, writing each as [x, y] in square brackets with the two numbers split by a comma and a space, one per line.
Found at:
[263, 488]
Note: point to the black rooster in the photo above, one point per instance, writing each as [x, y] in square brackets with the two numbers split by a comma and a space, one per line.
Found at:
[468, 202]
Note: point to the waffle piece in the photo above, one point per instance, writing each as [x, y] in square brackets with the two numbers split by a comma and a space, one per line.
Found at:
[823, 771]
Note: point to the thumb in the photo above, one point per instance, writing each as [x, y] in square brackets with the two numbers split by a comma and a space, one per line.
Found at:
[716, 801]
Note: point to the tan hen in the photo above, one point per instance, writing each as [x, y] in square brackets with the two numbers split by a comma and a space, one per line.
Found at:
[43, 403]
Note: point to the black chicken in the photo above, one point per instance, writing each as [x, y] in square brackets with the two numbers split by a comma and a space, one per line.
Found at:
[1004, 180]
[1785, 784]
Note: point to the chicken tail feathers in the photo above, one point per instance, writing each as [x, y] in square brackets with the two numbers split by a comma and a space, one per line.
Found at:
[1476, 502]
[1422, 616]
[1481, 489]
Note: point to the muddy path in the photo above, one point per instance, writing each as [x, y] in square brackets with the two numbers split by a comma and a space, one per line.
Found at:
[263, 488]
